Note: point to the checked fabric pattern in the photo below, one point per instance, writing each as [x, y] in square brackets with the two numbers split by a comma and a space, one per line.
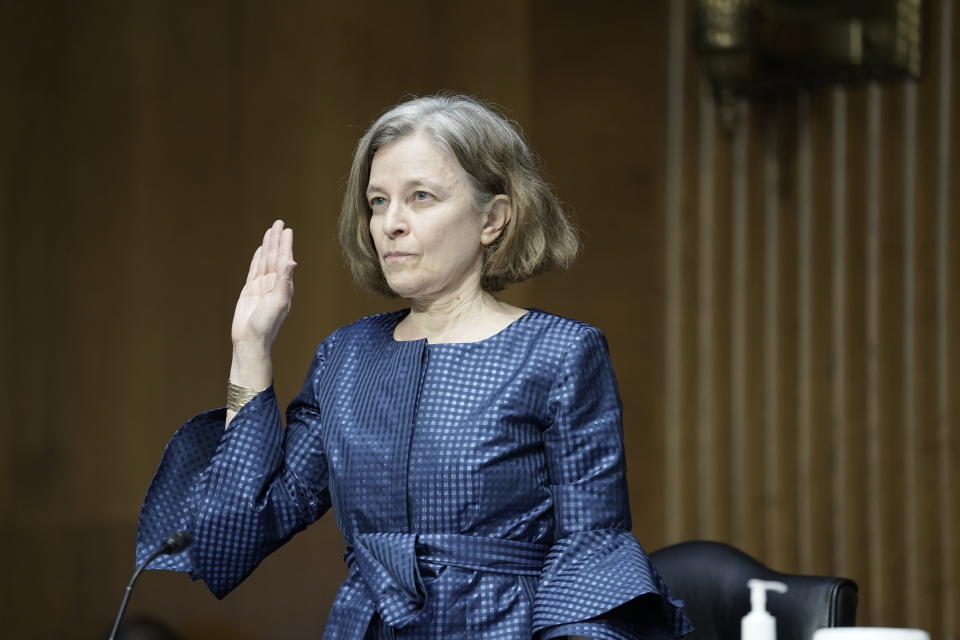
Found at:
[479, 487]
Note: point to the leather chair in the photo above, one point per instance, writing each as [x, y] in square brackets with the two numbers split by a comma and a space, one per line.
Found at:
[711, 577]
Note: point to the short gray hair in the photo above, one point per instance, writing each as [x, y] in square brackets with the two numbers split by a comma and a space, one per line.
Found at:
[490, 149]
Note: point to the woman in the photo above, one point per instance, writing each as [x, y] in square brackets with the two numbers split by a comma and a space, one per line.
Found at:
[472, 450]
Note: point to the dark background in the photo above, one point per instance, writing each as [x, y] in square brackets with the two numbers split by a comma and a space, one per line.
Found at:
[781, 311]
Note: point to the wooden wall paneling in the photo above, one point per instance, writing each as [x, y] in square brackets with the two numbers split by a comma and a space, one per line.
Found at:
[686, 194]
[948, 287]
[948, 381]
[690, 512]
[838, 318]
[756, 440]
[891, 348]
[923, 397]
[817, 478]
[786, 352]
[859, 497]
[771, 336]
[804, 294]
[822, 471]
[924, 392]
[721, 526]
[705, 424]
[591, 129]
[25, 299]
[676, 472]
[910, 425]
[152, 147]
[739, 336]
[877, 548]
[838, 297]
[788, 316]
[189, 195]
[18, 49]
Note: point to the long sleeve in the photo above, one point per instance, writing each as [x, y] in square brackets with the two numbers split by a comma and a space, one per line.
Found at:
[597, 581]
[242, 492]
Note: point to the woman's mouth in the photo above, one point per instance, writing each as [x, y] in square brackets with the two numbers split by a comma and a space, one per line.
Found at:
[396, 256]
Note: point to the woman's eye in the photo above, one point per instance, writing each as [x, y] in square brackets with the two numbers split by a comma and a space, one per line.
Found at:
[376, 201]
[421, 195]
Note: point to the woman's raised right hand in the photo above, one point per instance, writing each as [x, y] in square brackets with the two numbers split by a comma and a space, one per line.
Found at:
[267, 294]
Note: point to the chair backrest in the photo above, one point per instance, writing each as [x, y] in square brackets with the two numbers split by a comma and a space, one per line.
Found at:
[711, 577]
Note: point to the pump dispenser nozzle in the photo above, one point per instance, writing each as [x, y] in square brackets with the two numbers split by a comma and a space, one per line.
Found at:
[759, 624]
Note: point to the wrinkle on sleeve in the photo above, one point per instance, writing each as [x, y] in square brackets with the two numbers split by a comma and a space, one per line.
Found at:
[242, 492]
[597, 580]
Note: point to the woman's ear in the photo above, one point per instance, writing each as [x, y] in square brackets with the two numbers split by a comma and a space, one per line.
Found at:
[498, 215]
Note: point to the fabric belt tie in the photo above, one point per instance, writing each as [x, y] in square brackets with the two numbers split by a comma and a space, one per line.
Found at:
[389, 564]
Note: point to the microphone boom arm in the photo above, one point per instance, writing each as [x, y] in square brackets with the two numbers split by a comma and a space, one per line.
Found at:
[175, 543]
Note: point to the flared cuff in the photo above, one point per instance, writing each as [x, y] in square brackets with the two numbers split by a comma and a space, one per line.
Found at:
[601, 584]
[177, 493]
[171, 500]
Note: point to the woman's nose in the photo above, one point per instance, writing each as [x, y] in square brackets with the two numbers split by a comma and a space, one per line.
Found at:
[395, 222]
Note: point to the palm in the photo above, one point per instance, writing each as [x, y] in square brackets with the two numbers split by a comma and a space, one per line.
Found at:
[266, 296]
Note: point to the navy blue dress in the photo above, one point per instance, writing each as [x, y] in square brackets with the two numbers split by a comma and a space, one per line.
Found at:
[479, 487]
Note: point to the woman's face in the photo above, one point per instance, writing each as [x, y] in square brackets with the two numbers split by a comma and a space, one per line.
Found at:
[427, 230]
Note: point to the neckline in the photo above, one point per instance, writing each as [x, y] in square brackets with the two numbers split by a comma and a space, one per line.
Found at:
[405, 312]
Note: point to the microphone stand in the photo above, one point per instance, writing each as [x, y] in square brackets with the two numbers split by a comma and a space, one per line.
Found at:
[175, 543]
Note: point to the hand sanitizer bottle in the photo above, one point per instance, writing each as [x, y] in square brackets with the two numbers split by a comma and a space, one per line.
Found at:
[759, 624]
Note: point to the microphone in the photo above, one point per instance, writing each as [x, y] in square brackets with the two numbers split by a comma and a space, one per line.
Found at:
[174, 543]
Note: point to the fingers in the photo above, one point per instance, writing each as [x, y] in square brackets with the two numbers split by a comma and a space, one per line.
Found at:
[271, 247]
[274, 255]
[256, 265]
[286, 253]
